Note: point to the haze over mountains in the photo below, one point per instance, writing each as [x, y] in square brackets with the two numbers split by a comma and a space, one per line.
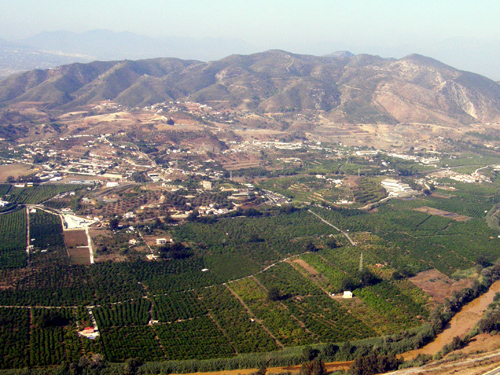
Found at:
[342, 87]
[51, 49]
[15, 58]
[110, 45]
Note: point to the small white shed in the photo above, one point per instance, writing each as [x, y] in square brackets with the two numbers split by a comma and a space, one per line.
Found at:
[347, 294]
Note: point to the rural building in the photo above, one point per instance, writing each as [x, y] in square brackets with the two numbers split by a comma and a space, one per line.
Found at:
[207, 185]
[347, 294]
[367, 153]
[163, 241]
[89, 332]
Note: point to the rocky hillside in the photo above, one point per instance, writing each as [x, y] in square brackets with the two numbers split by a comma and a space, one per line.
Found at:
[342, 87]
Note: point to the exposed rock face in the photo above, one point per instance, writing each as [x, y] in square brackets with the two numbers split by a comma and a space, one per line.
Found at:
[343, 87]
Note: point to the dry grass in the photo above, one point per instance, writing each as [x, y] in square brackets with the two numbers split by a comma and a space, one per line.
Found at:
[16, 170]
[438, 285]
[74, 238]
[79, 256]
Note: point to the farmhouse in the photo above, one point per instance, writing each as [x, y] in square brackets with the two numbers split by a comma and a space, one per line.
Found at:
[347, 294]
[129, 215]
[163, 241]
[89, 332]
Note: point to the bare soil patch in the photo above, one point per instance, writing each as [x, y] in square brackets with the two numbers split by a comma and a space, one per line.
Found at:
[77, 244]
[79, 255]
[436, 212]
[306, 266]
[482, 343]
[330, 367]
[437, 195]
[114, 257]
[447, 188]
[239, 161]
[16, 170]
[75, 238]
[438, 285]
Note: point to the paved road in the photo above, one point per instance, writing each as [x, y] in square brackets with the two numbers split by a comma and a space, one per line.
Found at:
[494, 372]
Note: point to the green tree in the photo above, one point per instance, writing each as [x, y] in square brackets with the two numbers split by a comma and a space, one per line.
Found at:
[114, 223]
[274, 294]
[314, 367]
[308, 353]
[374, 363]
[329, 350]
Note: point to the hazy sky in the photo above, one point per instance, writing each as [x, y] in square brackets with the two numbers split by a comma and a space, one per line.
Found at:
[462, 33]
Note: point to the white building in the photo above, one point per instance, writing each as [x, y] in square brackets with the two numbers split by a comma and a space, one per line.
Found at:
[347, 294]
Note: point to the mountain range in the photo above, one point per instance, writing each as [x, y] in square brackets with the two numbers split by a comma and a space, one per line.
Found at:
[341, 87]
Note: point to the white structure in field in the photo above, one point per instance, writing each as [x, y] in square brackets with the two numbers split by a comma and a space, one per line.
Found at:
[163, 241]
[89, 332]
[397, 188]
[347, 294]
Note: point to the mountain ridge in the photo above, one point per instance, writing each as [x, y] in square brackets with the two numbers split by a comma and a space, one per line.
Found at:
[358, 88]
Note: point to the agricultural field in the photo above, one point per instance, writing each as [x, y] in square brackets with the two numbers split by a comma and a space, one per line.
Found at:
[256, 282]
[4, 189]
[46, 231]
[323, 317]
[76, 242]
[14, 337]
[132, 313]
[416, 234]
[244, 333]
[199, 338]
[140, 342]
[273, 314]
[254, 242]
[38, 337]
[177, 306]
[38, 193]
[14, 242]
[306, 189]
[368, 190]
